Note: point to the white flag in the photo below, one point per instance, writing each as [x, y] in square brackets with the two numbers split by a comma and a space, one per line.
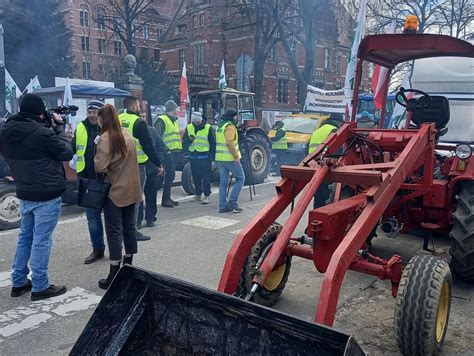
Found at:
[399, 110]
[71, 124]
[33, 85]
[352, 63]
[10, 89]
[222, 81]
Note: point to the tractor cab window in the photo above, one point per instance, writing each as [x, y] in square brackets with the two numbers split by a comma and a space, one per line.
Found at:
[461, 124]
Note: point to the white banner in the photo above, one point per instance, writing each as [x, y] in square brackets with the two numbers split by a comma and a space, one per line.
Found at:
[320, 100]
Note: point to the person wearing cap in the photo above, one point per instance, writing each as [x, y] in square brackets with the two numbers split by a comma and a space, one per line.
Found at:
[131, 120]
[35, 147]
[318, 137]
[228, 161]
[168, 128]
[200, 143]
[365, 120]
[84, 147]
[279, 143]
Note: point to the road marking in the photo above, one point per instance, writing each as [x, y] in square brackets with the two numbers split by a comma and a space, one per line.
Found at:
[5, 279]
[236, 232]
[22, 319]
[210, 222]
[61, 222]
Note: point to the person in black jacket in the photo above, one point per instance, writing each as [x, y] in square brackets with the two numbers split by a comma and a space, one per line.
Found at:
[35, 147]
[84, 146]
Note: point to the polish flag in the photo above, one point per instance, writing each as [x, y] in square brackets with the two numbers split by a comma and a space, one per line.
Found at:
[183, 88]
[379, 78]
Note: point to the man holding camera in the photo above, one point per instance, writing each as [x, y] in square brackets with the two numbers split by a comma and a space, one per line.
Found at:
[34, 146]
[83, 145]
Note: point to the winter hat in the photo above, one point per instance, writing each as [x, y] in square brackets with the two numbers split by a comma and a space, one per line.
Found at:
[170, 106]
[95, 104]
[196, 117]
[32, 104]
[229, 114]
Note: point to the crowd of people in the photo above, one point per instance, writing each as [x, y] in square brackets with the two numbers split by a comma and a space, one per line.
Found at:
[121, 149]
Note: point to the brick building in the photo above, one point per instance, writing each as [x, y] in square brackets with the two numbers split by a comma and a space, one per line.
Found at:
[204, 32]
[97, 51]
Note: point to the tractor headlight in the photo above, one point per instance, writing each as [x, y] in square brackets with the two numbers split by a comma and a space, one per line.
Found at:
[463, 152]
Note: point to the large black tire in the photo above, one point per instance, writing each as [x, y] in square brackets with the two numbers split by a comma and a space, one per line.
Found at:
[462, 234]
[187, 180]
[256, 162]
[269, 293]
[10, 217]
[422, 306]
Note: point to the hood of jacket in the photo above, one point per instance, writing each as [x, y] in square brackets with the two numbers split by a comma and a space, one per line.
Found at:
[19, 127]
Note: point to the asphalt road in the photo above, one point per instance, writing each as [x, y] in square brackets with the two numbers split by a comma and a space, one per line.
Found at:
[190, 242]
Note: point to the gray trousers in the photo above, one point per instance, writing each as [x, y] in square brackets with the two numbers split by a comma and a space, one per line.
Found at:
[142, 170]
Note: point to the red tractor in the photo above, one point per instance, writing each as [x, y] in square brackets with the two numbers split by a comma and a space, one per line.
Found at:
[387, 178]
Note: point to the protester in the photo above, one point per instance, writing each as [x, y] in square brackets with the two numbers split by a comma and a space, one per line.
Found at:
[34, 147]
[168, 128]
[319, 136]
[365, 121]
[151, 183]
[279, 143]
[83, 145]
[199, 140]
[145, 150]
[228, 161]
[116, 157]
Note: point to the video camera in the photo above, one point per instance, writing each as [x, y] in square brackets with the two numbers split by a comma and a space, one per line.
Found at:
[61, 110]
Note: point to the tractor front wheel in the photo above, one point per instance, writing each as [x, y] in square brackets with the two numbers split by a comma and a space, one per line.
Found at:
[269, 293]
[422, 306]
[462, 234]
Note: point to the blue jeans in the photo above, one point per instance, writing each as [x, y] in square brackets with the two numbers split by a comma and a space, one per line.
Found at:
[38, 220]
[96, 229]
[239, 175]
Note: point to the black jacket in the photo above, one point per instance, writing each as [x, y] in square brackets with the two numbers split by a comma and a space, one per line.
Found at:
[35, 153]
[160, 149]
[92, 133]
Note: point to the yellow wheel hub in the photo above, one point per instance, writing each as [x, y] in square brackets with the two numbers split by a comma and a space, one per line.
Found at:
[275, 278]
[442, 316]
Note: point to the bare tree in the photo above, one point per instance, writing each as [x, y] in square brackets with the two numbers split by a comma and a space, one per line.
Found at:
[127, 18]
[458, 18]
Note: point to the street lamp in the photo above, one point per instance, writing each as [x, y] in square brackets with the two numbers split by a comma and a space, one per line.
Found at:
[2, 74]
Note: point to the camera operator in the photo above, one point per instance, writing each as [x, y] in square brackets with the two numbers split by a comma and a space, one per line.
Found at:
[34, 146]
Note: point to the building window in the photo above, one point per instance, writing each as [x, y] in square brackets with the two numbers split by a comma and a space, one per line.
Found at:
[202, 20]
[273, 53]
[86, 69]
[84, 18]
[102, 44]
[144, 52]
[293, 45]
[85, 43]
[159, 32]
[298, 92]
[195, 22]
[146, 32]
[181, 58]
[199, 58]
[282, 95]
[338, 64]
[327, 58]
[156, 55]
[117, 48]
[101, 20]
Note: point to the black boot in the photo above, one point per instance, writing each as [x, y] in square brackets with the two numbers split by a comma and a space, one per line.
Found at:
[105, 283]
[127, 260]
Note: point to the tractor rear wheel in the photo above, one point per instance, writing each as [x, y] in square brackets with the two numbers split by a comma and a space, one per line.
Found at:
[462, 234]
[187, 180]
[422, 306]
[269, 293]
[256, 162]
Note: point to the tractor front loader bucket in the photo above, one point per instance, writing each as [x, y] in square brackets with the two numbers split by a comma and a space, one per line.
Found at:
[145, 313]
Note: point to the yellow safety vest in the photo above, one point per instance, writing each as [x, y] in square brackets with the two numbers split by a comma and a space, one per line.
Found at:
[128, 121]
[81, 145]
[318, 136]
[201, 141]
[282, 143]
[171, 136]
[222, 151]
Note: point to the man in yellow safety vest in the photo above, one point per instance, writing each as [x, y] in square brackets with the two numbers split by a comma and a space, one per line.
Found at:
[279, 143]
[228, 160]
[200, 142]
[167, 126]
[83, 145]
[131, 120]
[318, 137]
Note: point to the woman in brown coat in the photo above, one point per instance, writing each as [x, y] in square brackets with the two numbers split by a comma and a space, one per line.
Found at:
[116, 157]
